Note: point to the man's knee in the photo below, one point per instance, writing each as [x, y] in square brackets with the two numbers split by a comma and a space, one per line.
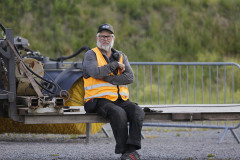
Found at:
[118, 115]
[137, 112]
[140, 113]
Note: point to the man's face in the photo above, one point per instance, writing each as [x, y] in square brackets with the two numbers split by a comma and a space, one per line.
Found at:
[105, 40]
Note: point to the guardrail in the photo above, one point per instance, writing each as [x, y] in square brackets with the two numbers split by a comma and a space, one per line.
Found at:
[187, 83]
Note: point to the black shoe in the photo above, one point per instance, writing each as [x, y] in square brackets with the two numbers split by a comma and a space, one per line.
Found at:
[130, 156]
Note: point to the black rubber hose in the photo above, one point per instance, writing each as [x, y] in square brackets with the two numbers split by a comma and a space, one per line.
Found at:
[36, 73]
[55, 86]
[3, 28]
[44, 87]
[62, 58]
[27, 49]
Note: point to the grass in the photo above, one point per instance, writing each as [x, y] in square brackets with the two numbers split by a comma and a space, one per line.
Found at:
[178, 134]
[74, 136]
[164, 30]
[211, 155]
[151, 136]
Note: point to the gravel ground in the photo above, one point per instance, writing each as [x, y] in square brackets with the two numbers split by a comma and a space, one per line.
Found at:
[159, 143]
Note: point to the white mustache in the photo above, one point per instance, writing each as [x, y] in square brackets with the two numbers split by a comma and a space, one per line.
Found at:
[105, 47]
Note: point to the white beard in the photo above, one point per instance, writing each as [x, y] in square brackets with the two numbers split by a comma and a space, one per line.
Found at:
[107, 48]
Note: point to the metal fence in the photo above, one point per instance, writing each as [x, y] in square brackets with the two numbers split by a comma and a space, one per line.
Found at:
[188, 83]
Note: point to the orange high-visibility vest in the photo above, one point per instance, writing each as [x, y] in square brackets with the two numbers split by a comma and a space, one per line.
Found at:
[97, 88]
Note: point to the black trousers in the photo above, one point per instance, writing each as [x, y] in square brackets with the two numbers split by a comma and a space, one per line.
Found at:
[120, 113]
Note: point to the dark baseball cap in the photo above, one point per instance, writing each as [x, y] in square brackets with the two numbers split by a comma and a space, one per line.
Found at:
[106, 27]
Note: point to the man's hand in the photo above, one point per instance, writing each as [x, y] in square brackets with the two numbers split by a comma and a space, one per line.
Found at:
[121, 67]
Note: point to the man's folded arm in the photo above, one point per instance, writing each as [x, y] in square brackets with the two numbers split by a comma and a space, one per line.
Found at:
[124, 78]
[91, 69]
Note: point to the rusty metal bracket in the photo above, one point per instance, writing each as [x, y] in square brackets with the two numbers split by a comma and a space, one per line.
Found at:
[36, 105]
[30, 102]
[59, 103]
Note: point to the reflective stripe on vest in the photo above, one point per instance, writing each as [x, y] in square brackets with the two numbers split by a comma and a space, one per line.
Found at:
[101, 95]
[102, 85]
[96, 88]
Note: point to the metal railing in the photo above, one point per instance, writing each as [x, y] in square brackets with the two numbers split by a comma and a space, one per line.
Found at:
[187, 83]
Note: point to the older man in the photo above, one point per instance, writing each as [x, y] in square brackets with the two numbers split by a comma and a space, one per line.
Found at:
[107, 73]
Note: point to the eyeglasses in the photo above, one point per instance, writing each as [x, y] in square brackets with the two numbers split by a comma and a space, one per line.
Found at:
[107, 37]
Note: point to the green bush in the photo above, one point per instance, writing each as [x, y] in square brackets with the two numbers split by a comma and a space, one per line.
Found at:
[177, 30]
